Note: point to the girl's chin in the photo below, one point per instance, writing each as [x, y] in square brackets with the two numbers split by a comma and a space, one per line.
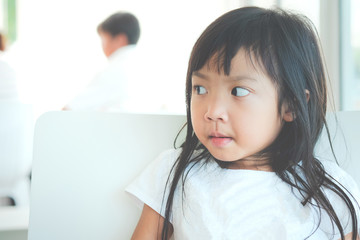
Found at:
[225, 156]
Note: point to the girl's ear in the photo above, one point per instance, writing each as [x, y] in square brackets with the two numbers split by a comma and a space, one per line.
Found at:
[287, 114]
[307, 93]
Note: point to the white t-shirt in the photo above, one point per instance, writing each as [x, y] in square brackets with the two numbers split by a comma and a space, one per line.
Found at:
[8, 82]
[238, 204]
[123, 85]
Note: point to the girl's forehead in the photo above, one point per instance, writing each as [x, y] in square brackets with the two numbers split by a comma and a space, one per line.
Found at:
[243, 67]
[242, 61]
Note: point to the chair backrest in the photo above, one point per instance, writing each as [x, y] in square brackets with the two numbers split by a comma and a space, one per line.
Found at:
[16, 144]
[82, 163]
[345, 136]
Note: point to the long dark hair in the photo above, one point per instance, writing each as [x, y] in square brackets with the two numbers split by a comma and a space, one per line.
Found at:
[287, 47]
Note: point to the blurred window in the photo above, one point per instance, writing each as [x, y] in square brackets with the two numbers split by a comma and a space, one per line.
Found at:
[350, 54]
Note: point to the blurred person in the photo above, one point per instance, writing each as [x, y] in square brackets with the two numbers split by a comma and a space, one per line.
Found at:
[8, 84]
[16, 136]
[111, 88]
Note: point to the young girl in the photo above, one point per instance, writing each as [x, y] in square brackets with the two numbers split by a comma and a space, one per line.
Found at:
[256, 104]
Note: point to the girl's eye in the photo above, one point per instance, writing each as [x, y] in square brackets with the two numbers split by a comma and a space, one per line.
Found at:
[200, 90]
[239, 92]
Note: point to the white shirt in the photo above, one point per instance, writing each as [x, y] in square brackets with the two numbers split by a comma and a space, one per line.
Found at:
[119, 87]
[8, 84]
[238, 204]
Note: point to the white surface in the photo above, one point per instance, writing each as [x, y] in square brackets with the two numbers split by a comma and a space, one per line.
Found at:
[16, 141]
[8, 84]
[345, 135]
[14, 218]
[82, 163]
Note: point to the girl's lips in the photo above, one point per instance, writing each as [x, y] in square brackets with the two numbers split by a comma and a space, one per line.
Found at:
[220, 141]
[217, 134]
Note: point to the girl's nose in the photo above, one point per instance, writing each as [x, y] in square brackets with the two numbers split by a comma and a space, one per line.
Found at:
[217, 111]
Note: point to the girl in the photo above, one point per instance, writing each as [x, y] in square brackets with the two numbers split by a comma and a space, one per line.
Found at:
[256, 105]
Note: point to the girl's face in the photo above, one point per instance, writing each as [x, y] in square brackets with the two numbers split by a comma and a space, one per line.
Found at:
[235, 116]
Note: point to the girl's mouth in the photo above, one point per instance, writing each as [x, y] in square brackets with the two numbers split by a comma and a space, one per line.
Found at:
[219, 140]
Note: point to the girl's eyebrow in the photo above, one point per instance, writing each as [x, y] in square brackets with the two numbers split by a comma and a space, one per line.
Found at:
[231, 78]
[243, 77]
[200, 75]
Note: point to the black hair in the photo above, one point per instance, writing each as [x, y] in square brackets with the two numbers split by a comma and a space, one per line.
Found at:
[286, 46]
[121, 22]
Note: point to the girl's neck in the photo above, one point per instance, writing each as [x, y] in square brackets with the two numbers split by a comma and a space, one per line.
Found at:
[257, 163]
[265, 168]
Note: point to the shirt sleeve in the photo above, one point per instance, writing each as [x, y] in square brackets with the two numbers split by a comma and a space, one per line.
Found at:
[150, 187]
[351, 188]
[99, 93]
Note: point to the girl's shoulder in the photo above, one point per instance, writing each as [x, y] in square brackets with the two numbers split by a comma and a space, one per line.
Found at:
[166, 158]
[161, 166]
[151, 183]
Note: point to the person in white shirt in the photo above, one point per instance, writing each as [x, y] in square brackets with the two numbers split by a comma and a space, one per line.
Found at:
[112, 89]
[8, 82]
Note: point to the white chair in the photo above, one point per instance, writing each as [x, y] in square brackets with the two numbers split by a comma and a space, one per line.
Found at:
[345, 136]
[82, 163]
[16, 136]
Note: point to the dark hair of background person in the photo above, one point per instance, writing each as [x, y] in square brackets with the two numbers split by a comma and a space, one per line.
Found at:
[287, 47]
[122, 23]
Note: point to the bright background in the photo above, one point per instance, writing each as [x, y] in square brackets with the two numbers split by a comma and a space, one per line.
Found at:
[57, 50]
